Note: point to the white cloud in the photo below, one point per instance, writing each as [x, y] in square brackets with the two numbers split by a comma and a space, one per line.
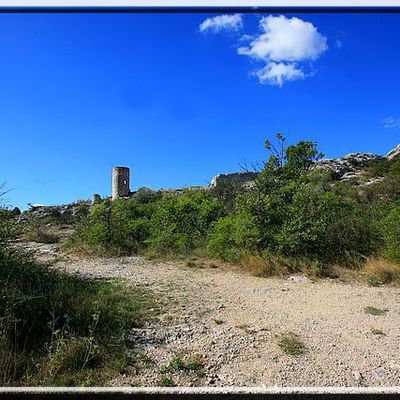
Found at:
[391, 122]
[278, 73]
[220, 23]
[284, 45]
[285, 39]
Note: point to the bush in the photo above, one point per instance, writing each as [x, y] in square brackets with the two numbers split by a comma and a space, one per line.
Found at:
[390, 229]
[327, 227]
[181, 222]
[117, 228]
[293, 212]
[8, 227]
[229, 236]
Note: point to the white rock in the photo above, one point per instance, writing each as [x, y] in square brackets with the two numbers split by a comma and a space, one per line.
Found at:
[393, 153]
[357, 376]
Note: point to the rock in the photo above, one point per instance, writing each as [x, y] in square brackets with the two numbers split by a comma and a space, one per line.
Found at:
[361, 158]
[357, 376]
[347, 167]
[381, 373]
[16, 211]
[348, 176]
[395, 366]
[262, 290]
[394, 153]
[39, 211]
[299, 278]
[374, 180]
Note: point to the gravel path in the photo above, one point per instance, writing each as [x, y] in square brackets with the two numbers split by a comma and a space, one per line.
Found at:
[231, 322]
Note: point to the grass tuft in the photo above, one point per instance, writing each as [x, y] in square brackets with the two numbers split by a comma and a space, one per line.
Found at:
[42, 235]
[165, 381]
[382, 271]
[291, 344]
[265, 266]
[375, 311]
[185, 364]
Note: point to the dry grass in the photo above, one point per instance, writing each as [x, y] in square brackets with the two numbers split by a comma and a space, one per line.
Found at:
[262, 265]
[383, 270]
[265, 266]
[346, 274]
[202, 262]
[85, 251]
[42, 235]
[194, 263]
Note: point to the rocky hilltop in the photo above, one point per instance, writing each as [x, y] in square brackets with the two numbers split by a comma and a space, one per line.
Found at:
[351, 168]
[62, 213]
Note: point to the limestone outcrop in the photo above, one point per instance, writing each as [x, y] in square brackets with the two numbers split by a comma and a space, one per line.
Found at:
[242, 178]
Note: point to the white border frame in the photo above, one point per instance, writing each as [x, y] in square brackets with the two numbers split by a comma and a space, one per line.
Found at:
[328, 5]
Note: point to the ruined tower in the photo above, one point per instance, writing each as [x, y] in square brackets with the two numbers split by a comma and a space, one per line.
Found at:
[120, 182]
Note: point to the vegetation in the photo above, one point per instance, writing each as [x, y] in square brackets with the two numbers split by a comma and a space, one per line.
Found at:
[294, 218]
[374, 311]
[59, 329]
[165, 381]
[291, 344]
[181, 363]
[382, 271]
[40, 234]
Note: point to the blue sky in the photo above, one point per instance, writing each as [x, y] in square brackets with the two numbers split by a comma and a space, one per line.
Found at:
[80, 93]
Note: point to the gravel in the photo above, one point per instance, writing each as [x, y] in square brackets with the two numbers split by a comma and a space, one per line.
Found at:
[231, 321]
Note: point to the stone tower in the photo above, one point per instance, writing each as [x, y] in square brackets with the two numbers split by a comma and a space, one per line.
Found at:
[120, 182]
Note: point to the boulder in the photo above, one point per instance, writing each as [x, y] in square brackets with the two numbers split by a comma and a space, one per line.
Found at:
[348, 167]
[394, 153]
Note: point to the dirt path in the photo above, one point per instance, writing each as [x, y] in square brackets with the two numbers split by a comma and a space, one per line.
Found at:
[232, 321]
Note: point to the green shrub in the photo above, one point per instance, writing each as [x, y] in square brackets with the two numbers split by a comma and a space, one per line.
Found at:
[390, 228]
[118, 227]
[9, 229]
[293, 212]
[231, 235]
[377, 168]
[325, 226]
[61, 329]
[181, 222]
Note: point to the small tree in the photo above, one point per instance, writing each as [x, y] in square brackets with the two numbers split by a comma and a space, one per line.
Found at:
[282, 176]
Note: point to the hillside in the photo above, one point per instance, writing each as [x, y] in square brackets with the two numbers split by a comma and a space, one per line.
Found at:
[242, 282]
